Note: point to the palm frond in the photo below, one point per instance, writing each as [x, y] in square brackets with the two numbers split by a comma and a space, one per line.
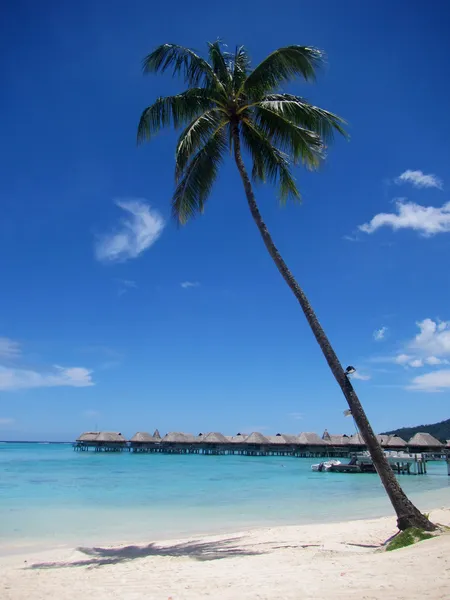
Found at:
[220, 63]
[241, 67]
[177, 110]
[269, 163]
[198, 178]
[196, 134]
[196, 70]
[304, 114]
[303, 145]
[281, 66]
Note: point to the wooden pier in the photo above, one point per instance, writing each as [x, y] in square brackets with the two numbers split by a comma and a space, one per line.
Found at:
[304, 445]
[402, 463]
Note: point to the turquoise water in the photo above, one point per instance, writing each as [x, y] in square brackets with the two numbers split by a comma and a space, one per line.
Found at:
[50, 494]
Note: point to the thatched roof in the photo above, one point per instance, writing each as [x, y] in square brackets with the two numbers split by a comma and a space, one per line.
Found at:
[394, 441]
[143, 437]
[276, 439]
[283, 438]
[424, 439]
[214, 438]
[337, 440]
[310, 439]
[290, 438]
[355, 440]
[256, 438]
[384, 440]
[88, 436]
[179, 438]
[236, 439]
[157, 435]
[111, 437]
[447, 445]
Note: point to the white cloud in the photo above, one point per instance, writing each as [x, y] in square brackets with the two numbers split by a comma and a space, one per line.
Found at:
[189, 284]
[135, 234]
[416, 363]
[429, 348]
[21, 378]
[419, 179]
[6, 421]
[9, 348]
[433, 341]
[380, 334]
[402, 359]
[360, 376]
[434, 360]
[436, 381]
[351, 238]
[427, 220]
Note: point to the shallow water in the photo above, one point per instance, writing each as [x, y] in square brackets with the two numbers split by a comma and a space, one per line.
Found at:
[50, 494]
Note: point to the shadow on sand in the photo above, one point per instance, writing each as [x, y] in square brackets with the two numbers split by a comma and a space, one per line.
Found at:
[202, 551]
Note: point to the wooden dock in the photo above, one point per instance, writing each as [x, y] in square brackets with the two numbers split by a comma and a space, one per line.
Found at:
[401, 463]
[304, 445]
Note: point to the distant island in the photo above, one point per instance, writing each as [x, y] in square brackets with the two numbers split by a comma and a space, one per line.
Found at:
[440, 430]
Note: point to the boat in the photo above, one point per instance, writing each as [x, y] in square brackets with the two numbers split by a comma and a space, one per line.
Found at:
[325, 466]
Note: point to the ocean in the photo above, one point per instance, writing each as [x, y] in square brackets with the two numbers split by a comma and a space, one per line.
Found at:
[51, 495]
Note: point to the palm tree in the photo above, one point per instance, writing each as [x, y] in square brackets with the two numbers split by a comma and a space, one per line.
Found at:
[227, 105]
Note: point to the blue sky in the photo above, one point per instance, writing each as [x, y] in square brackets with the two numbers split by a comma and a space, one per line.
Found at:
[111, 316]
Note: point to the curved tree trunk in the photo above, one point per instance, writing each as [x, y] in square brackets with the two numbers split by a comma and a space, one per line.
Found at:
[407, 514]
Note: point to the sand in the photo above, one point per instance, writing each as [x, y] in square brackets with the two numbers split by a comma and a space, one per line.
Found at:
[332, 561]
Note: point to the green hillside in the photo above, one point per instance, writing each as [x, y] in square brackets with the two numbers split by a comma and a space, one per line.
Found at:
[441, 431]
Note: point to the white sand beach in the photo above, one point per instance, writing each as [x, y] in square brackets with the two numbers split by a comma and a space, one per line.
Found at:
[340, 560]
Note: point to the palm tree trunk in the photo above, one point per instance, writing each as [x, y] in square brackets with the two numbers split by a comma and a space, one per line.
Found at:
[407, 514]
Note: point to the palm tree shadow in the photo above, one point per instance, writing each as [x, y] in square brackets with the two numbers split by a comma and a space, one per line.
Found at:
[201, 551]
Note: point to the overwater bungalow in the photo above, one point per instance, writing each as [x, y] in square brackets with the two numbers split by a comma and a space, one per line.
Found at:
[213, 437]
[425, 442]
[393, 442]
[107, 441]
[143, 442]
[305, 444]
[110, 441]
[87, 439]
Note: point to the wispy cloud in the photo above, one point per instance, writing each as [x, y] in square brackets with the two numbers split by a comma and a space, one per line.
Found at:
[189, 284]
[419, 179]
[91, 413]
[126, 285]
[9, 348]
[380, 334]
[6, 421]
[351, 238]
[110, 357]
[134, 234]
[361, 376]
[436, 381]
[428, 349]
[296, 415]
[22, 378]
[427, 220]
